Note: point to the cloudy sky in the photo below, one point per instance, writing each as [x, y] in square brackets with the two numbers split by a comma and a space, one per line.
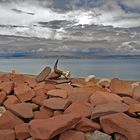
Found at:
[70, 25]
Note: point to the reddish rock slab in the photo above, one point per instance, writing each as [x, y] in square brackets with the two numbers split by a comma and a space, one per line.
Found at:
[87, 125]
[24, 93]
[23, 110]
[136, 93]
[7, 87]
[109, 108]
[58, 93]
[121, 123]
[22, 131]
[43, 74]
[4, 78]
[47, 110]
[56, 103]
[18, 79]
[72, 135]
[49, 128]
[81, 108]
[43, 88]
[11, 99]
[134, 108]
[79, 97]
[44, 113]
[129, 101]
[7, 134]
[8, 120]
[39, 100]
[2, 97]
[31, 81]
[121, 87]
[103, 97]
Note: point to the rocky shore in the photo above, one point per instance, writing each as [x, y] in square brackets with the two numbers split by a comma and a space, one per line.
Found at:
[54, 106]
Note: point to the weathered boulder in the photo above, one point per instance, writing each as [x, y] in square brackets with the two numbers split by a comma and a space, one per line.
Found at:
[23, 110]
[81, 108]
[56, 103]
[104, 97]
[7, 134]
[87, 125]
[58, 93]
[72, 135]
[49, 128]
[22, 131]
[121, 87]
[136, 93]
[8, 120]
[121, 123]
[109, 108]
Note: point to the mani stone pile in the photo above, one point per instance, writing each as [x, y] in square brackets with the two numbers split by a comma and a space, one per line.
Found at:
[50, 107]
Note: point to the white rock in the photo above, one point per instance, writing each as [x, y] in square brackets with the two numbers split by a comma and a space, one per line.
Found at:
[104, 82]
[90, 78]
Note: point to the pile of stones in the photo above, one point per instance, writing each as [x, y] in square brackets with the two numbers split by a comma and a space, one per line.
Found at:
[48, 107]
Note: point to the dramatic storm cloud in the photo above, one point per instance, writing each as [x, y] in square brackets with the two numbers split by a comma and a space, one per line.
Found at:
[71, 25]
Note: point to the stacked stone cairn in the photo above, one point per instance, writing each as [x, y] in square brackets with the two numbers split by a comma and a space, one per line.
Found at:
[51, 107]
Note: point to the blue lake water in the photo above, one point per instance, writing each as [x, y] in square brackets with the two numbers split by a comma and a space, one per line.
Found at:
[128, 69]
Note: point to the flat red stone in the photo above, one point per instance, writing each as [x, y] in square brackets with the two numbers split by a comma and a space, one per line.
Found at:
[87, 125]
[11, 99]
[103, 97]
[58, 93]
[81, 108]
[49, 128]
[22, 131]
[8, 120]
[121, 87]
[7, 87]
[24, 92]
[72, 135]
[2, 97]
[23, 110]
[56, 103]
[109, 108]
[43, 74]
[121, 123]
[7, 134]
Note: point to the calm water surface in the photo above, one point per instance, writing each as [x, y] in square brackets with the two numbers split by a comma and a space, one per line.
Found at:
[128, 69]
